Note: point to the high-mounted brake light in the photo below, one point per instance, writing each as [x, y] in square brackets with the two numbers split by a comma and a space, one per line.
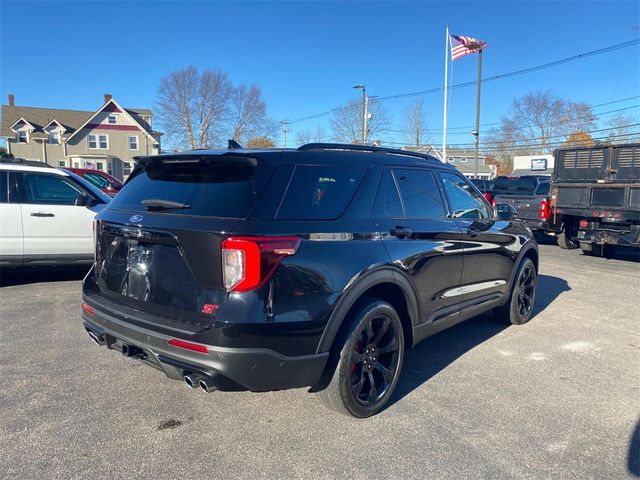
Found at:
[545, 211]
[248, 262]
[195, 347]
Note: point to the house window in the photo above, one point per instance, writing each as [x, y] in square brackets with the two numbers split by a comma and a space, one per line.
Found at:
[76, 164]
[99, 165]
[98, 141]
[62, 163]
[54, 138]
[463, 160]
[112, 119]
[126, 169]
[21, 137]
[133, 142]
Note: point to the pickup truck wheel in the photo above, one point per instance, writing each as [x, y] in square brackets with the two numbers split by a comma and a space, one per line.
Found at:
[565, 242]
[370, 362]
[519, 307]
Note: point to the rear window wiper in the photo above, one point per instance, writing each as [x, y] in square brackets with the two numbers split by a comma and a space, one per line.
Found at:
[159, 204]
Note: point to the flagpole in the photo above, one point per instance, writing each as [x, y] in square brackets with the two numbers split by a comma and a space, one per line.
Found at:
[446, 82]
[477, 132]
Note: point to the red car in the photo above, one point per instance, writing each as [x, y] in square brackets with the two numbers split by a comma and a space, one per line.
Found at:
[100, 179]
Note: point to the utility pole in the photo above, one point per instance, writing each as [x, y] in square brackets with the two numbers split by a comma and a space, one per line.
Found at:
[476, 133]
[363, 87]
[285, 129]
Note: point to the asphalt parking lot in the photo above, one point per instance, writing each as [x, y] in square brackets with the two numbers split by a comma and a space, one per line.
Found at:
[556, 398]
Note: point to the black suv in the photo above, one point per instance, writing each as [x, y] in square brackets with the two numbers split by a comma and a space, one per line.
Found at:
[315, 267]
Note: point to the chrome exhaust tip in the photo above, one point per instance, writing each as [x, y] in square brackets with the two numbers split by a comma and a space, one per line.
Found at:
[207, 385]
[192, 380]
[98, 339]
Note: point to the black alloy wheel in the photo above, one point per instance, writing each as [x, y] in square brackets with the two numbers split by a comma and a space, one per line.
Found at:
[526, 289]
[374, 360]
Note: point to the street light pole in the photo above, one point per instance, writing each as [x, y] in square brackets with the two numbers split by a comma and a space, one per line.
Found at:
[363, 87]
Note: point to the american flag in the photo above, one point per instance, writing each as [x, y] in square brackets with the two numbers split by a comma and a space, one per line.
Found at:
[461, 46]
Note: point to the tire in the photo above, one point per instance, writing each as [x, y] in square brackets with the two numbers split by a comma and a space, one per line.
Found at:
[363, 379]
[565, 242]
[518, 309]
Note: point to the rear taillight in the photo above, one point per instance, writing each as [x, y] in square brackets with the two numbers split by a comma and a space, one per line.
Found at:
[487, 195]
[88, 309]
[248, 262]
[584, 224]
[493, 203]
[545, 211]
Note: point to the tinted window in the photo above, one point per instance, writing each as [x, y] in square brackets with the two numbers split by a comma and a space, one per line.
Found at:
[392, 204]
[211, 189]
[4, 187]
[463, 199]
[48, 189]
[525, 184]
[502, 183]
[97, 180]
[543, 189]
[319, 192]
[420, 194]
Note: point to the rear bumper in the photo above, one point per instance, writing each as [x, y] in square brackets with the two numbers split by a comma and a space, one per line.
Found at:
[621, 236]
[252, 368]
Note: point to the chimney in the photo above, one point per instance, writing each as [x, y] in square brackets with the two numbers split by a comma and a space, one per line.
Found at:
[11, 100]
[107, 97]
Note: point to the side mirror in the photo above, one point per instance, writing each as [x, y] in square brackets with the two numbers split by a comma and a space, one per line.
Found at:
[505, 211]
[83, 200]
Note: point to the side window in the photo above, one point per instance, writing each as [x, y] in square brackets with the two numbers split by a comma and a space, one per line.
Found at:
[48, 189]
[420, 194]
[319, 192]
[543, 189]
[463, 200]
[4, 187]
[392, 203]
[96, 179]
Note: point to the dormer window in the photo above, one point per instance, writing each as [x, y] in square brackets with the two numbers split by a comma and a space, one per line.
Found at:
[54, 137]
[112, 119]
[22, 136]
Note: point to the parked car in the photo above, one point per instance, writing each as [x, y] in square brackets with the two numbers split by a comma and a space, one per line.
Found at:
[46, 215]
[595, 197]
[100, 179]
[485, 186]
[315, 267]
[522, 185]
[532, 207]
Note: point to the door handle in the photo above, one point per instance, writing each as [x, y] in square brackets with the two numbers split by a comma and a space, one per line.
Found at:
[400, 232]
[42, 214]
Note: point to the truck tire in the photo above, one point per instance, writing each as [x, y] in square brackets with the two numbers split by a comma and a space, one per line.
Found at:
[565, 242]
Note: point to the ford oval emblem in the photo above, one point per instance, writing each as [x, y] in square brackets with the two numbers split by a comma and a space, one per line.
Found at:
[135, 218]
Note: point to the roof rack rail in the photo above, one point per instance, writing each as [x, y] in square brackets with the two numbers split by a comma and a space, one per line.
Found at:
[363, 148]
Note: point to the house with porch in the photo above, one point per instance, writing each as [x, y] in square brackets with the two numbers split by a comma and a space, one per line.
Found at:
[463, 159]
[106, 139]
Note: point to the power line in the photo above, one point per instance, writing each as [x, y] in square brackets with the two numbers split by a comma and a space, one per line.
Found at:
[499, 123]
[523, 71]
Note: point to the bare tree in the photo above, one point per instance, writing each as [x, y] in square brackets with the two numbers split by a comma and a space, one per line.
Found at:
[320, 134]
[203, 109]
[304, 136]
[346, 122]
[622, 129]
[414, 123]
[248, 113]
[192, 106]
[536, 123]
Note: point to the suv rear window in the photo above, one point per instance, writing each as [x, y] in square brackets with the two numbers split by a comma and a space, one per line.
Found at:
[319, 192]
[209, 189]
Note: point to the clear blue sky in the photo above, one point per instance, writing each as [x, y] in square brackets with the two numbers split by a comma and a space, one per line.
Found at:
[307, 55]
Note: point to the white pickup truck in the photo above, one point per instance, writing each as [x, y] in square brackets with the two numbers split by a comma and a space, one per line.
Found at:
[46, 215]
